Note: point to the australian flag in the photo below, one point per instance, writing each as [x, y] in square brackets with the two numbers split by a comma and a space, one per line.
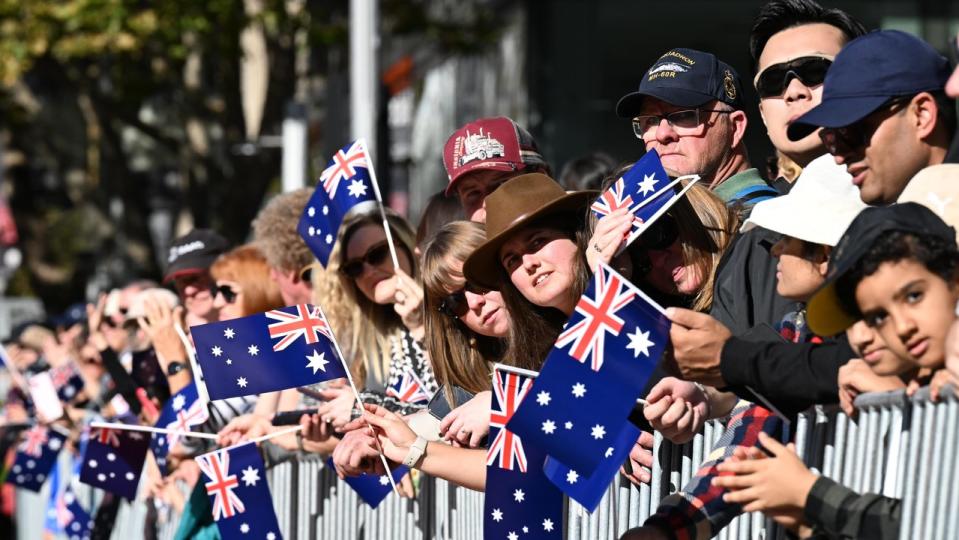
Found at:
[235, 480]
[113, 460]
[36, 457]
[520, 501]
[67, 381]
[409, 388]
[181, 412]
[646, 190]
[346, 182]
[589, 490]
[373, 488]
[596, 370]
[280, 349]
[73, 520]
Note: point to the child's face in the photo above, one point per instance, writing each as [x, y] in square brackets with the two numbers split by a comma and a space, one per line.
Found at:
[911, 308]
[870, 346]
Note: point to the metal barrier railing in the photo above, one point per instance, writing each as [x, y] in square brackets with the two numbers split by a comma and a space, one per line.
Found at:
[898, 446]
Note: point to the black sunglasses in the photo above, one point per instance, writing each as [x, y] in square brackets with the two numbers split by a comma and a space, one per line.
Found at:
[228, 293]
[373, 257]
[811, 70]
[857, 134]
[455, 303]
[660, 235]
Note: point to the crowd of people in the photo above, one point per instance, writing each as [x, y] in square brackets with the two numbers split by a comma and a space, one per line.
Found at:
[837, 275]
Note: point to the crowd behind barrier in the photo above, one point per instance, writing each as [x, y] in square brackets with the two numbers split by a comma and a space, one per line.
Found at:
[889, 449]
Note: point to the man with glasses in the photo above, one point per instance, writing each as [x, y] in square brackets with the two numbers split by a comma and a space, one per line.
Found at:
[482, 155]
[793, 43]
[689, 109]
[188, 269]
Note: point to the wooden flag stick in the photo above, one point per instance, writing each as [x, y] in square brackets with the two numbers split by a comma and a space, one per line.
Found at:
[151, 429]
[273, 435]
[379, 199]
[356, 394]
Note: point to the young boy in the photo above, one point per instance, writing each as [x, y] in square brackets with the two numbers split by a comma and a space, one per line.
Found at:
[896, 269]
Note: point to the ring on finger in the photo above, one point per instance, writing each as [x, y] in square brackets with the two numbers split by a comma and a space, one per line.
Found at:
[597, 248]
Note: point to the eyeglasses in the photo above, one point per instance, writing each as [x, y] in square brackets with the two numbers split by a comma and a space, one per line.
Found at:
[684, 122]
[857, 134]
[455, 303]
[810, 70]
[227, 291]
[374, 257]
[660, 235]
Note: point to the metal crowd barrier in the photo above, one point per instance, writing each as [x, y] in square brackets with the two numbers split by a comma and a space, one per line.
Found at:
[901, 447]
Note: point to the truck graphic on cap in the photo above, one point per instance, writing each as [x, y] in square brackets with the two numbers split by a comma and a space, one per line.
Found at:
[480, 147]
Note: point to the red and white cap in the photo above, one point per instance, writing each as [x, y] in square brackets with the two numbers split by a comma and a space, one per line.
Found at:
[497, 144]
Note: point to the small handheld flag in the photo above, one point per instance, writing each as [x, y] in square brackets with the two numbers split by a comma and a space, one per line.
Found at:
[182, 411]
[114, 460]
[373, 488]
[36, 456]
[235, 480]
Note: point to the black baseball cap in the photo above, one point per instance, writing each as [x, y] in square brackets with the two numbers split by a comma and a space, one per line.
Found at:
[685, 78]
[825, 315]
[868, 72]
[193, 253]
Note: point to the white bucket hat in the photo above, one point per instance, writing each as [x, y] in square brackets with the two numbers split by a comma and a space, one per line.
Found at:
[936, 188]
[818, 209]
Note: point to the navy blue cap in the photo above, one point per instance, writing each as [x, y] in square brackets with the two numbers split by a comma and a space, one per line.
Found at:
[685, 78]
[869, 71]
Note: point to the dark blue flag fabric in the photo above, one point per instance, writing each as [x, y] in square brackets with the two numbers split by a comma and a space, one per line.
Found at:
[36, 457]
[520, 501]
[235, 480]
[646, 190]
[181, 412]
[74, 521]
[280, 349]
[346, 182]
[599, 365]
[589, 490]
[373, 488]
[67, 381]
[113, 460]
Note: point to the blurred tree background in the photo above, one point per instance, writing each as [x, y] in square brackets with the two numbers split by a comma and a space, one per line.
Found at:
[124, 120]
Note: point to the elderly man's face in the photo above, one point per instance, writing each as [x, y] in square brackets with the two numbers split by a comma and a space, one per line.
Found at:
[690, 150]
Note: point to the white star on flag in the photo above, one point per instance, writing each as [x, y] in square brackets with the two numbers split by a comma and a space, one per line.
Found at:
[253, 350]
[519, 495]
[598, 432]
[317, 362]
[241, 382]
[270, 536]
[568, 425]
[179, 402]
[229, 333]
[54, 444]
[217, 351]
[543, 398]
[244, 528]
[549, 427]
[512, 536]
[497, 514]
[648, 184]
[525, 529]
[311, 211]
[572, 476]
[609, 451]
[229, 362]
[357, 188]
[547, 524]
[250, 476]
[579, 389]
[384, 480]
[639, 343]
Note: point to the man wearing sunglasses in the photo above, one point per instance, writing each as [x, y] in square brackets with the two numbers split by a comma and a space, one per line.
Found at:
[793, 43]
[188, 269]
[689, 109]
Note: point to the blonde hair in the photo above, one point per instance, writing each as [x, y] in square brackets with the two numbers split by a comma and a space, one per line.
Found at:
[247, 266]
[458, 355]
[363, 327]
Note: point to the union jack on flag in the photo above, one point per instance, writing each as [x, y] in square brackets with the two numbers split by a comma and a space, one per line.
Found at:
[344, 166]
[409, 389]
[506, 449]
[226, 503]
[613, 199]
[588, 336]
[105, 436]
[33, 441]
[306, 323]
[194, 415]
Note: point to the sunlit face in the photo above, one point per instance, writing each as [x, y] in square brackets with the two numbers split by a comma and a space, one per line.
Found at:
[487, 316]
[541, 263]
[229, 300]
[778, 112]
[911, 308]
[701, 151]
[373, 283]
[473, 188]
[194, 292]
[669, 274]
[292, 289]
[870, 346]
[798, 275]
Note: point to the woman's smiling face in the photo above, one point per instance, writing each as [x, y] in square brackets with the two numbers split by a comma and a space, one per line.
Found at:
[541, 263]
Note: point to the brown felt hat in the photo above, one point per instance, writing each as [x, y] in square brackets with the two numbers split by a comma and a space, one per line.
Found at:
[518, 202]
